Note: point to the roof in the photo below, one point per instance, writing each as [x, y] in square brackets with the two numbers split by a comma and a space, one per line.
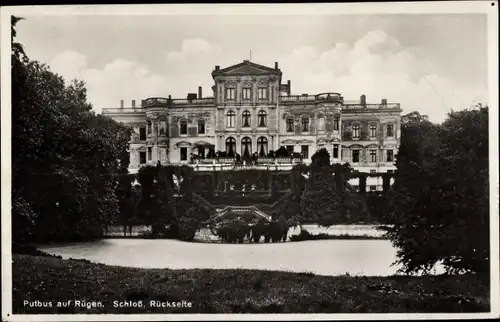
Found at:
[247, 68]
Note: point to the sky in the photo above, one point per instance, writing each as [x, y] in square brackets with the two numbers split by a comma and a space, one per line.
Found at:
[430, 63]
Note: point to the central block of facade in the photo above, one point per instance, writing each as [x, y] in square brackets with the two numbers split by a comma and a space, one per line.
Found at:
[251, 112]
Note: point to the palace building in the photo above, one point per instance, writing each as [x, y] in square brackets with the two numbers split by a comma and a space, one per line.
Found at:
[251, 111]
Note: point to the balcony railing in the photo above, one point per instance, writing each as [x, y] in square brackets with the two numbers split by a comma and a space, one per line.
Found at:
[128, 110]
[260, 161]
[372, 106]
[162, 101]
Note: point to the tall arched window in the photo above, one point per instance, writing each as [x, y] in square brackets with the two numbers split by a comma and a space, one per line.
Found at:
[305, 123]
[230, 119]
[246, 118]
[356, 130]
[262, 118]
[183, 126]
[230, 146]
[246, 146]
[201, 126]
[262, 146]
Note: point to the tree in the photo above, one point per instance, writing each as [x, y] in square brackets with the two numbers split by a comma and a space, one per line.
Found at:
[66, 160]
[282, 152]
[320, 201]
[321, 158]
[440, 193]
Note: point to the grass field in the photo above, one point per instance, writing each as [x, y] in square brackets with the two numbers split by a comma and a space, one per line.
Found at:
[43, 279]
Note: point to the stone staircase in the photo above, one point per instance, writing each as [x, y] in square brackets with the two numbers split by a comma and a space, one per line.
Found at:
[242, 210]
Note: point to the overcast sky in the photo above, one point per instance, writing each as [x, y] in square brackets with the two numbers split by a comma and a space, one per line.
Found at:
[428, 63]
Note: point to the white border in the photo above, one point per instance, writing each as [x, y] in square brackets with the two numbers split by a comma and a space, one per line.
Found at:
[249, 9]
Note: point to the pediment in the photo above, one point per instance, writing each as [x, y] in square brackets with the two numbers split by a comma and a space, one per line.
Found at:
[246, 68]
[288, 142]
[305, 141]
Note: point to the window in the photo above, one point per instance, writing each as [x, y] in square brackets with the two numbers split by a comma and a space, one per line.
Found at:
[373, 130]
[336, 121]
[289, 148]
[201, 152]
[373, 155]
[201, 126]
[142, 157]
[230, 118]
[184, 154]
[142, 133]
[183, 127]
[246, 118]
[305, 124]
[262, 93]
[262, 146]
[149, 127]
[321, 123]
[355, 130]
[305, 151]
[230, 94]
[355, 156]
[373, 188]
[390, 130]
[246, 94]
[262, 118]
[289, 124]
[150, 153]
[230, 146]
[163, 127]
[335, 151]
[246, 146]
[390, 155]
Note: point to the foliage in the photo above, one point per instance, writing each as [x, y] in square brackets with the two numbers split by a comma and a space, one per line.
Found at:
[321, 158]
[320, 201]
[282, 152]
[236, 291]
[66, 161]
[441, 193]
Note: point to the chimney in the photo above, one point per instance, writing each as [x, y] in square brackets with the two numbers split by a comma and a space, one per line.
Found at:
[217, 67]
[289, 82]
[191, 96]
[384, 101]
[121, 103]
[362, 100]
[276, 65]
[133, 103]
[200, 92]
[143, 102]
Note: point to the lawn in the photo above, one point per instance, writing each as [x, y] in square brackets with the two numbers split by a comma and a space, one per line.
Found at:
[44, 279]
